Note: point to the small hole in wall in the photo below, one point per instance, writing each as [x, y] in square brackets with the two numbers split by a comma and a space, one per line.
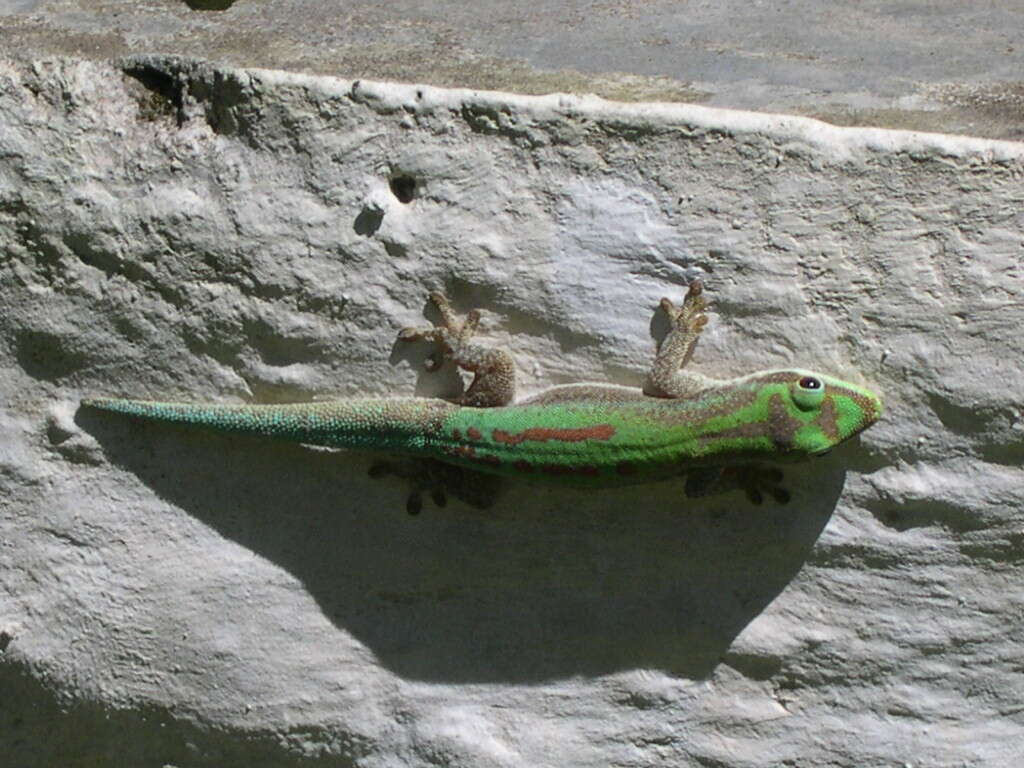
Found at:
[404, 188]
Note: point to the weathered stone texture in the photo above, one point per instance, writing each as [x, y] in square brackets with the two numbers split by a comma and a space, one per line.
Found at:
[170, 229]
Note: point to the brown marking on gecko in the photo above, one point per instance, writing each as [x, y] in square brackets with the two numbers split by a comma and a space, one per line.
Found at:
[865, 405]
[671, 412]
[828, 419]
[523, 465]
[782, 425]
[473, 433]
[715, 403]
[456, 434]
[566, 435]
[469, 453]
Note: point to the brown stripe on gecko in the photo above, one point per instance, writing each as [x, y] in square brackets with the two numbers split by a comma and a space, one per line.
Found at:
[672, 411]
[828, 419]
[783, 426]
[780, 426]
[862, 402]
[566, 435]
[469, 452]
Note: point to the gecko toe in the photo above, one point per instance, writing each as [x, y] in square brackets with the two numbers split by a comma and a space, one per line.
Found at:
[755, 481]
[438, 482]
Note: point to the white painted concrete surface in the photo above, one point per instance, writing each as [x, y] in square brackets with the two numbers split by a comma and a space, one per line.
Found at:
[169, 597]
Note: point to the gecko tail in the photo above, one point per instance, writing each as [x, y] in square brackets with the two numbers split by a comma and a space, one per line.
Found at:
[402, 425]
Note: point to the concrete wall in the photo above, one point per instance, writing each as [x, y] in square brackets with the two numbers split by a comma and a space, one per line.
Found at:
[177, 230]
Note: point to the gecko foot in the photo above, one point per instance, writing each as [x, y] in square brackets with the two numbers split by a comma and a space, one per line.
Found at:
[689, 317]
[756, 481]
[494, 379]
[753, 479]
[438, 480]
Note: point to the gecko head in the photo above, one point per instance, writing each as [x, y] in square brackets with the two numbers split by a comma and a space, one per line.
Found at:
[811, 413]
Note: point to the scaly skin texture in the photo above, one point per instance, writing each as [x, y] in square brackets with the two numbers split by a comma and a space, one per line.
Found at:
[587, 434]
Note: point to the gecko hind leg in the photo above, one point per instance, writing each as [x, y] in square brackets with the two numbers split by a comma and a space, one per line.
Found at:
[687, 321]
[438, 480]
[494, 373]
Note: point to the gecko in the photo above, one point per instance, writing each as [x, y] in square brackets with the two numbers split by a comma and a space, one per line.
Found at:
[719, 433]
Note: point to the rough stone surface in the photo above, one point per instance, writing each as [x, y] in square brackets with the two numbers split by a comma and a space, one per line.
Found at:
[172, 229]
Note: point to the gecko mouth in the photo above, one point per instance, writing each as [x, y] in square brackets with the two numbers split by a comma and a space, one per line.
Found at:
[826, 452]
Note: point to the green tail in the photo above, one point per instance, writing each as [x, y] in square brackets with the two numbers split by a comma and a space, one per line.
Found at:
[404, 426]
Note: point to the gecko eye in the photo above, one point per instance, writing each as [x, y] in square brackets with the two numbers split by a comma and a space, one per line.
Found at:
[808, 393]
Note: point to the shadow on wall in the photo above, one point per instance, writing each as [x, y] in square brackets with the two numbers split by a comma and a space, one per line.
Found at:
[550, 583]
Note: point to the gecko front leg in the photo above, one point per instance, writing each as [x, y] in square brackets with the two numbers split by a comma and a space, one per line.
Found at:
[665, 379]
[494, 373]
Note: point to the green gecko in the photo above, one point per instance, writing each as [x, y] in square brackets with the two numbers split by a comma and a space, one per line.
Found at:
[713, 430]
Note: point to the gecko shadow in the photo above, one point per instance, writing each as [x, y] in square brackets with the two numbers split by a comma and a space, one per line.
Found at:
[550, 583]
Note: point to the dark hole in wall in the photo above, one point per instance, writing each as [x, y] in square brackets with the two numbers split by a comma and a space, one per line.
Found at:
[165, 99]
[403, 187]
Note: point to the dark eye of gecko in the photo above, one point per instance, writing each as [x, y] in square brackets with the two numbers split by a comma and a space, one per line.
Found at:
[809, 382]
